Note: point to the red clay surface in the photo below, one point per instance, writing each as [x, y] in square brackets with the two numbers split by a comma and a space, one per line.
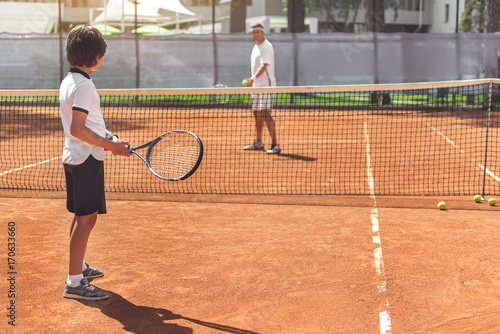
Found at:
[266, 264]
[271, 264]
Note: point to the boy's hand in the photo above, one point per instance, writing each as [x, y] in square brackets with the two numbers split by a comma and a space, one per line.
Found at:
[124, 142]
[120, 147]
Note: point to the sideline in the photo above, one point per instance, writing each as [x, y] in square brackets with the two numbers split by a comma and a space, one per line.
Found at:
[384, 316]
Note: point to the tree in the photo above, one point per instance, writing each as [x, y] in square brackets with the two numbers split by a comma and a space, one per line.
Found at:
[331, 8]
[296, 13]
[481, 16]
[342, 14]
[375, 15]
[473, 17]
[341, 9]
[492, 16]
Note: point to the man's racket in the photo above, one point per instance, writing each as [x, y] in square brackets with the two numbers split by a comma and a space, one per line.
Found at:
[175, 155]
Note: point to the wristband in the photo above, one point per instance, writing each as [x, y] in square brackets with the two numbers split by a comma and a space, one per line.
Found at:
[111, 135]
[253, 77]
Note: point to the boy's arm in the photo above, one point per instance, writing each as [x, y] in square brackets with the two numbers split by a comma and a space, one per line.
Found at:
[80, 131]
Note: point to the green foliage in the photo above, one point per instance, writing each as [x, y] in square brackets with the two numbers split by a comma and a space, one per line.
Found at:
[330, 4]
[392, 4]
[338, 12]
[473, 17]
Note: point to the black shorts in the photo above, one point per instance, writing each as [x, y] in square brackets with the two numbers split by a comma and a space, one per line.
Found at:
[85, 187]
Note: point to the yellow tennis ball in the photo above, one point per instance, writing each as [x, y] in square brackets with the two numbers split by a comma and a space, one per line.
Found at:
[492, 201]
[477, 198]
[244, 82]
[441, 205]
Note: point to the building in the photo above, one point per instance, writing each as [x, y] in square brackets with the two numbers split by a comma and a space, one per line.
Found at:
[41, 16]
[410, 16]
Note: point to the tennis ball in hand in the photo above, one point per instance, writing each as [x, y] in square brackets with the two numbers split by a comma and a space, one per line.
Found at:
[441, 205]
[244, 82]
[492, 201]
[477, 198]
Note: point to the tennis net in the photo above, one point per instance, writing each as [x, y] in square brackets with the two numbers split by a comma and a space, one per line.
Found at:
[437, 138]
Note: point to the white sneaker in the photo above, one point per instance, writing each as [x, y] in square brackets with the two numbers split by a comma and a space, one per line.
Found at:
[255, 146]
[275, 149]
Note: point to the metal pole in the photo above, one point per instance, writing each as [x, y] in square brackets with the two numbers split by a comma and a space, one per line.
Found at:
[456, 19]
[61, 53]
[374, 16]
[375, 58]
[214, 46]
[292, 5]
[137, 60]
[213, 16]
[123, 15]
[490, 92]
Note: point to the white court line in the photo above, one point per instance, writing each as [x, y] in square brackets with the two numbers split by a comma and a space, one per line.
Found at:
[446, 138]
[384, 316]
[28, 166]
[490, 173]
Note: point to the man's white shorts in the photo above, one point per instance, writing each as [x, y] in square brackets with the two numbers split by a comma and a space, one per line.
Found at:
[262, 101]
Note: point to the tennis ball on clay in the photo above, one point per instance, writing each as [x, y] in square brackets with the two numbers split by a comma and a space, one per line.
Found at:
[492, 201]
[441, 205]
[477, 198]
[244, 82]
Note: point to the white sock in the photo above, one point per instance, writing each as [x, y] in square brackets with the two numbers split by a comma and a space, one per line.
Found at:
[84, 265]
[74, 280]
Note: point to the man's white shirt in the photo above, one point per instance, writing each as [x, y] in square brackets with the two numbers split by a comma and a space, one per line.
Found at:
[263, 53]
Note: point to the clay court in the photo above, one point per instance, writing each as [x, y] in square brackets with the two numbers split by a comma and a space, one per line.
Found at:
[338, 234]
[207, 265]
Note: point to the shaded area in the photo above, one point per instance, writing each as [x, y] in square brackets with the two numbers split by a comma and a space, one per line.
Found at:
[143, 319]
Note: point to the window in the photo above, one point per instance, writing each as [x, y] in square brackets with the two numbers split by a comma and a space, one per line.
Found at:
[417, 7]
[411, 4]
[446, 13]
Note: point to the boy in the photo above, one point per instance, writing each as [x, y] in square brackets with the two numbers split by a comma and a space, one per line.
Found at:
[83, 154]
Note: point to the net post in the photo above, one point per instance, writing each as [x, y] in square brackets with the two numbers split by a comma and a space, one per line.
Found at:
[490, 92]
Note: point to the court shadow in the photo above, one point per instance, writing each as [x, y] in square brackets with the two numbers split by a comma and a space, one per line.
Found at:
[297, 157]
[144, 319]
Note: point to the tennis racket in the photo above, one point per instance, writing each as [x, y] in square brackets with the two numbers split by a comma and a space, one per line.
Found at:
[173, 156]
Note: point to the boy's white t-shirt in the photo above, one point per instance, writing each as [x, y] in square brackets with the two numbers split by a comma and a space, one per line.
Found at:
[77, 91]
[263, 53]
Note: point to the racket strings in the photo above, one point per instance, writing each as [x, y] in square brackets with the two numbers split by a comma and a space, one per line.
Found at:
[174, 155]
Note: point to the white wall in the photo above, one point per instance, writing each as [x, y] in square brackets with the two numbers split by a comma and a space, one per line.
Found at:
[28, 18]
[439, 23]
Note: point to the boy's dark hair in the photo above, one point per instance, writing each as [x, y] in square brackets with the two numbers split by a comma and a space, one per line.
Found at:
[84, 46]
